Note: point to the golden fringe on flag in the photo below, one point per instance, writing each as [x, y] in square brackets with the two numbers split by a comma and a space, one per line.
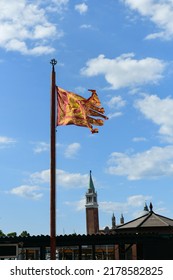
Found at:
[77, 110]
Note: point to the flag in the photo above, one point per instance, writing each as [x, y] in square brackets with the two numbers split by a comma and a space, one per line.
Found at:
[77, 110]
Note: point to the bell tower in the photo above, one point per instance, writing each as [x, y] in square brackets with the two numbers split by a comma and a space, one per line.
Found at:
[92, 217]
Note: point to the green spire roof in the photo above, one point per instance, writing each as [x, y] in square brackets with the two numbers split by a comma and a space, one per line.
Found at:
[91, 184]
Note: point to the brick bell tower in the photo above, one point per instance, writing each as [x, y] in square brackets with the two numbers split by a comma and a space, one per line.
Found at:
[92, 217]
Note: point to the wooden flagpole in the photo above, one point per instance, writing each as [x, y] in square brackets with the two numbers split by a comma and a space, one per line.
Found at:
[53, 164]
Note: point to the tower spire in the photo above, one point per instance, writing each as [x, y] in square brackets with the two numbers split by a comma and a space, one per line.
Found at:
[146, 207]
[151, 207]
[91, 184]
[113, 221]
[122, 219]
[92, 217]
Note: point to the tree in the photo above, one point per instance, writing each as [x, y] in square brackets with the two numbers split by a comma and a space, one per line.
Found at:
[24, 233]
[1, 233]
[12, 234]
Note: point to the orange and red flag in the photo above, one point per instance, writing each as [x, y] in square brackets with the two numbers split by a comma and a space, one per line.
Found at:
[77, 110]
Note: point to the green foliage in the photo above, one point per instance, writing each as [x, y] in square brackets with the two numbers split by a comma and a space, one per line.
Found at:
[24, 234]
[1, 233]
[12, 234]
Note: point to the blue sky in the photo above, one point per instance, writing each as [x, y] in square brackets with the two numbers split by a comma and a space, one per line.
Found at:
[121, 48]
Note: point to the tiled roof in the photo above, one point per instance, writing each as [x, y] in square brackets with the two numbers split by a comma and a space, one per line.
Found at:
[150, 219]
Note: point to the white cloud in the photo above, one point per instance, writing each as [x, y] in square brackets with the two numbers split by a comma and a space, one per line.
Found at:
[139, 139]
[80, 90]
[25, 27]
[60, 3]
[114, 115]
[124, 207]
[72, 150]
[32, 192]
[64, 179]
[133, 205]
[57, 5]
[6, 141]
[81, 8]
[151, 164]
[40, 177]
[41, 147]
[86, 26]
[151, 105]
[72, 180]
[134, 201]
[116, 102]
[79, 205]
[158, 12]
[125, 70]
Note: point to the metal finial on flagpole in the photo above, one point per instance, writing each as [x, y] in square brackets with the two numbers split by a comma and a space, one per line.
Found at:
[53, 62]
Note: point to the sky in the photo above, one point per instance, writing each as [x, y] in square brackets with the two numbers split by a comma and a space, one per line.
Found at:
[123, 50]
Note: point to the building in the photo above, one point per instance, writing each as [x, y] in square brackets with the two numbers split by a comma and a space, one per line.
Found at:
[148, 237]
[92, 212]
[92, 216]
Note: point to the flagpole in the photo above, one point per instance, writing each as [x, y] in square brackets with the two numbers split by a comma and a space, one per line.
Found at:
[53, 164]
